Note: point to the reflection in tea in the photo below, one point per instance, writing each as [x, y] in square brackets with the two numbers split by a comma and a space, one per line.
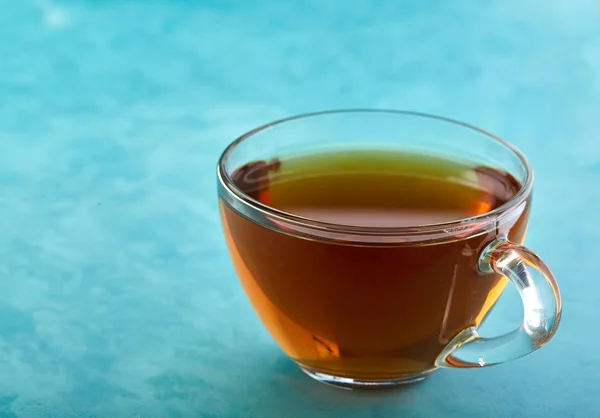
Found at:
[376, 310]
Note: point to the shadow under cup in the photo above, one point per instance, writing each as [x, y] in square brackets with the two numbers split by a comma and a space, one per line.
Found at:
[358, 306]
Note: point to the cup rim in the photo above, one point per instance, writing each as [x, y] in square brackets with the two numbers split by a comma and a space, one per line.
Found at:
[459, 224]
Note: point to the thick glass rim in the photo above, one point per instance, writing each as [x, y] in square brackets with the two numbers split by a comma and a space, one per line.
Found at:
[460, 224]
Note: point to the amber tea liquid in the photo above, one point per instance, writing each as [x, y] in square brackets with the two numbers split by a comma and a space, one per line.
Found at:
[371, 311]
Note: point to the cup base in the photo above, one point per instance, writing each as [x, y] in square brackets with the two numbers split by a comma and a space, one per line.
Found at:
[351, 384]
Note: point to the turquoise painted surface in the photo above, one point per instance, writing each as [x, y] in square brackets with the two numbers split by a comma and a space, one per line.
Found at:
[116, 293]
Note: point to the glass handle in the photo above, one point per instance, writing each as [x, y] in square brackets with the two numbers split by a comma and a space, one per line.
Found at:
[541, 304]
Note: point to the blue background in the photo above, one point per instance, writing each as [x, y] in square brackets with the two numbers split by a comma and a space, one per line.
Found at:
[117, 297]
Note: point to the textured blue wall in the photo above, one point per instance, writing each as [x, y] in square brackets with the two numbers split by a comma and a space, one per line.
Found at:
[116, 293]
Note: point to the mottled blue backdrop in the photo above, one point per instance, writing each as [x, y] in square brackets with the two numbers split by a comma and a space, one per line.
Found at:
[117, 297]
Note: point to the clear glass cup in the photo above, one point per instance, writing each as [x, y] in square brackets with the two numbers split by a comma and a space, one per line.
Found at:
[481, 255]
